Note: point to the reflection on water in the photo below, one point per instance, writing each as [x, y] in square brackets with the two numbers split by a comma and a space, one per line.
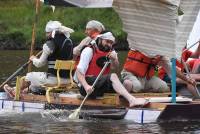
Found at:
[37, 123]
[10, 61]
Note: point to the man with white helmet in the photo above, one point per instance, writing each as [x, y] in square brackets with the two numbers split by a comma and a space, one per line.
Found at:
[93, 29]
[57, 46]
[92, 60]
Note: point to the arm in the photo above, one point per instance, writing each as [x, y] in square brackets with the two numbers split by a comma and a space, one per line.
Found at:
[114, 60]
[82, 67]
[165, 63]
[39, 62]
[83, 82]
[77, 49]
[184, 78]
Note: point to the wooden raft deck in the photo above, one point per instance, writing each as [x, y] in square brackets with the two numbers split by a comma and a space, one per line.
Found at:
[109, 100]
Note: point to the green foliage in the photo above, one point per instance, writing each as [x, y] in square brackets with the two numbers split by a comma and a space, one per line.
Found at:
[19, 16]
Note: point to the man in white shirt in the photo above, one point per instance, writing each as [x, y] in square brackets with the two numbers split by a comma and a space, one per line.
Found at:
[92, 60]
[58, 46]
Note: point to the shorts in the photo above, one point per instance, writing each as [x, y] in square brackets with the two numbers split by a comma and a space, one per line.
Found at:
[104, 85]
[141, 84]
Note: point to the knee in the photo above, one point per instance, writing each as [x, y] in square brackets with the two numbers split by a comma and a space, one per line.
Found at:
[113, 76]
[162, 87]
[128, 85]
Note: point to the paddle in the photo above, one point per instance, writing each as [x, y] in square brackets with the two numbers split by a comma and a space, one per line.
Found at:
[75, 114]
[18, 70]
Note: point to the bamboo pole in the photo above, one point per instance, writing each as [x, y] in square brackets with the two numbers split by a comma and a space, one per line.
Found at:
[37, 5]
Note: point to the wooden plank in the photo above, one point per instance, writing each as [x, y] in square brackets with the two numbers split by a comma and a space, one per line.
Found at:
[105, 101]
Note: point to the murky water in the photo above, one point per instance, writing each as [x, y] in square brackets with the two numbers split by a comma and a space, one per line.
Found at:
[36, 123]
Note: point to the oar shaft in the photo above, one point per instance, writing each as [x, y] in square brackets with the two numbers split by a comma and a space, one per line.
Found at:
[191, 46]
[18, 70]
[100, 74]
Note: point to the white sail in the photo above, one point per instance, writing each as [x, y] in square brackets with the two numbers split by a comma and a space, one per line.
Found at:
[152, 24]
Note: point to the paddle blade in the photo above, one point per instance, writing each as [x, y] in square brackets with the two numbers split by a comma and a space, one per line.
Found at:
[74, 115]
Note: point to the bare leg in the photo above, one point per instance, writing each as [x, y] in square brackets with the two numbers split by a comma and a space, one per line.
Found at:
[120, 89]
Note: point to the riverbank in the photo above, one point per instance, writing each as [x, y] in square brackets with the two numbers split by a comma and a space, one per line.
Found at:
[17, 18]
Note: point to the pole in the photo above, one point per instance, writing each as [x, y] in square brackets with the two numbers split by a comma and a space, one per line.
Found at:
[37, 3]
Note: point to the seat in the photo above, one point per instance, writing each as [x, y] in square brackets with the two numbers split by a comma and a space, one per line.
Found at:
[61, 65]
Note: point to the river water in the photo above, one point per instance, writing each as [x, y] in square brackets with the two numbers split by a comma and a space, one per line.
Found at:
[36, 123]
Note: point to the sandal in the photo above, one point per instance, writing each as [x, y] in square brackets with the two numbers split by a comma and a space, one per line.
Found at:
[9, 90]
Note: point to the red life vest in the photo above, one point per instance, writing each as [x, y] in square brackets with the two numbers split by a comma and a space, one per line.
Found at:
[93, 68]
[140, 64]
[185, 55]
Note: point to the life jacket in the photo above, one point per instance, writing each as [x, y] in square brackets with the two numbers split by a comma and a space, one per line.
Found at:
[97, 62]
[140, 64]
[63, 51]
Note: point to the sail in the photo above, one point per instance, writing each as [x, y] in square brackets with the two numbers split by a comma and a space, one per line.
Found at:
[153, 27]
[150, 24]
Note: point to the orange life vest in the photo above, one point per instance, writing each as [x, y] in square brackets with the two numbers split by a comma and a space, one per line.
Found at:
[140, 64]
[94, 69]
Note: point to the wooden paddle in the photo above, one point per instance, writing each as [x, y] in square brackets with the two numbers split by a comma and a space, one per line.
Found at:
[18, 70]
[75, 114]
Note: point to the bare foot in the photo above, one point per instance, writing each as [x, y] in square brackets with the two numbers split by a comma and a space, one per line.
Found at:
[138, 102]
[9, 90]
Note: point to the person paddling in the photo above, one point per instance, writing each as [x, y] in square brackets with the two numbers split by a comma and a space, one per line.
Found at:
[57, 46]
[92, 60]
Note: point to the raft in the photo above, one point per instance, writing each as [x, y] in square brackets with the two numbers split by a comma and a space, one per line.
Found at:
[111, 106]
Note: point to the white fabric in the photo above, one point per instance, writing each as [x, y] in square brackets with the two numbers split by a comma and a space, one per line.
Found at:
[43, 58]
[95, 25]
[85, 59]
[150, 25]
[107, 36]
[183, 29]
[40, 78]
[53, 26]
